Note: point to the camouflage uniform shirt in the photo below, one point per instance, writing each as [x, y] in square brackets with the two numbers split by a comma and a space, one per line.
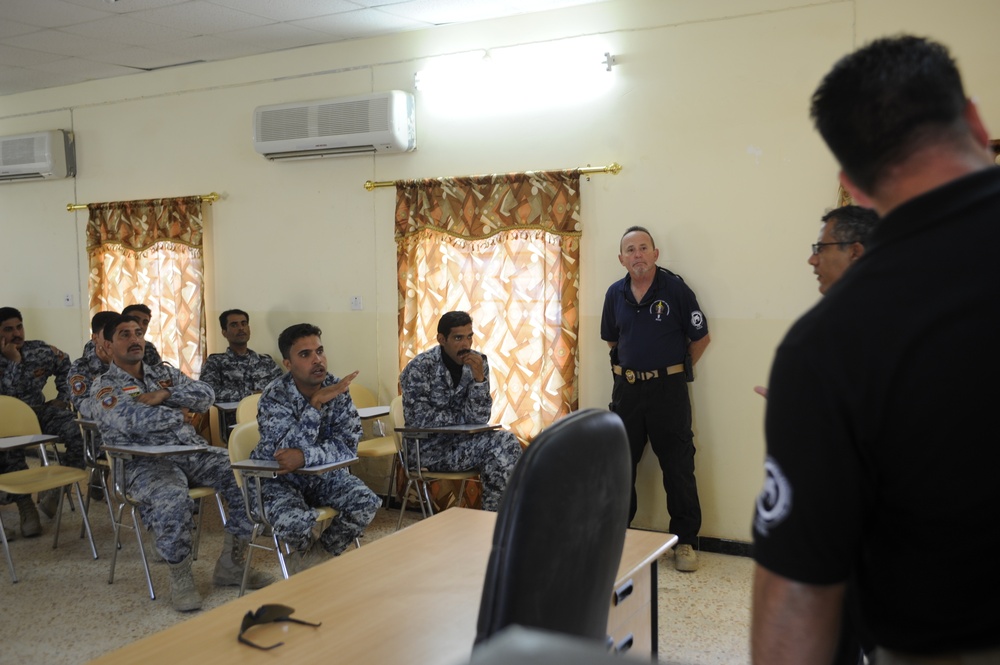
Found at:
[82, 374]
[25, 381]
[233, 376]
[123, 421]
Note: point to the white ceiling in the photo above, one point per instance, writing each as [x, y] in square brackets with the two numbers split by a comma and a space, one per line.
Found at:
[49, 43]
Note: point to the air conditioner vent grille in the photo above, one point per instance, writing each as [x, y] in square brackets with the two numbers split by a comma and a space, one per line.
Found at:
[18, 151]
[379, 122]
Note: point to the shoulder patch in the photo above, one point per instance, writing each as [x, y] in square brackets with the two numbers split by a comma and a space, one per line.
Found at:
[697, 319]
[107, 398]
[775, 499]
[78, 384]
[132, 391]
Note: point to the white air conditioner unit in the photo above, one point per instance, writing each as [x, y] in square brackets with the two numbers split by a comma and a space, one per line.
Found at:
[382, 122]
[37, 156]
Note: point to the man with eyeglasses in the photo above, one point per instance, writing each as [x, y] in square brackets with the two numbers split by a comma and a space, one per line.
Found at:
[882, 450]
[450, 385]
[842, 241]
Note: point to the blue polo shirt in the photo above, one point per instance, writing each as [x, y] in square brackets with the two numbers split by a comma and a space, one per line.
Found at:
[654, 333]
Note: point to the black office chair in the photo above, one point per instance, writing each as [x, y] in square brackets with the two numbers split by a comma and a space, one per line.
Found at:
[560, 530]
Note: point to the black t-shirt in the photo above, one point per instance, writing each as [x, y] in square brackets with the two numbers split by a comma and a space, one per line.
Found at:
[883, 454]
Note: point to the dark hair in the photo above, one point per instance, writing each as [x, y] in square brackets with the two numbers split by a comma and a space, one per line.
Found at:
[633, 229]
[451, 320]
[851, 223]
[290, 334]
[98, 320]
[115, 321]
[224, 317]
[138, 307]
[878, 105]
[10, 313]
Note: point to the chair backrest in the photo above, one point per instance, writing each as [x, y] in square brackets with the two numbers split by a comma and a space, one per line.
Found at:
[242, 440]
[17, 418]
[560, 530]
[361, 396]
[246, 410]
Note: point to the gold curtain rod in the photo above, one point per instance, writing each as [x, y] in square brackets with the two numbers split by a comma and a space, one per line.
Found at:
[207, 198]
[614, 168]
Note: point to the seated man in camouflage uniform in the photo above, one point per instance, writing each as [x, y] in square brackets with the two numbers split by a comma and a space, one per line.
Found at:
[94, 362]
[25, 368]
[143, 314]
[450, 385]
[137, 404]
[239, 371]
[307, 418]
[84, 371]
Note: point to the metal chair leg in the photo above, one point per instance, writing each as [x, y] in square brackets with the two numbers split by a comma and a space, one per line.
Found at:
[6, 551]
[197, 530]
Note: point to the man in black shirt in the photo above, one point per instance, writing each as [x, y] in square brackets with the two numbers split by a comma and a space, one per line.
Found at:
[882, 452]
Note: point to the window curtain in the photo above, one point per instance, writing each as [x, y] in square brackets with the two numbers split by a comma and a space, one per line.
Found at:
[151, 252]
[506, 249]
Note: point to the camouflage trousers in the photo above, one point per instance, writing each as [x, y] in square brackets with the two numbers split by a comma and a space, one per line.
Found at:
[160, 486]
[289, 499]
[59, 422]
[493, 454]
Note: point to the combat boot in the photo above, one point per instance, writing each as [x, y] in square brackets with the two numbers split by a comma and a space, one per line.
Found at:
[229, 567]
[48, 501]
[30, 526]
[184, 597]
[313, 555]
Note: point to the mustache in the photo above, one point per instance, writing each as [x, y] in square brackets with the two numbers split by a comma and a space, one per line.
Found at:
[465, 351]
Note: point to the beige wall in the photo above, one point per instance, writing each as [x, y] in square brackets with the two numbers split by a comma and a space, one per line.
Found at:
[707, 111]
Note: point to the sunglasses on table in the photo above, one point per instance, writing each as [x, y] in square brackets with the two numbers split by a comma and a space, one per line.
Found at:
[268, 614]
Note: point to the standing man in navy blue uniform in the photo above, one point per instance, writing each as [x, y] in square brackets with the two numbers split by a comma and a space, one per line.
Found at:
[657, 332]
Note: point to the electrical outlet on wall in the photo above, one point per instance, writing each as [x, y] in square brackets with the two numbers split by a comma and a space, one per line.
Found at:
[356, 303]
[68, 300]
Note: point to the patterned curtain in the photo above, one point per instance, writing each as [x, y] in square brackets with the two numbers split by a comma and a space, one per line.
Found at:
[506, 249]
[151, 252]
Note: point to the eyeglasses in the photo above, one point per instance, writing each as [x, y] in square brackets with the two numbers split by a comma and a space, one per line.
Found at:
[268, 614]
[818, 246]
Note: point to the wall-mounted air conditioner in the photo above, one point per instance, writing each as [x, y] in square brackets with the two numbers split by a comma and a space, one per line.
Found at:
[37, 156]
[382, 122]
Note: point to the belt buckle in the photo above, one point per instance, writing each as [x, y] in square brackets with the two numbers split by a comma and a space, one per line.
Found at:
[630, 376]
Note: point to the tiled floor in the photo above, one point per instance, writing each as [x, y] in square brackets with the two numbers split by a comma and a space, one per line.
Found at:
[64, 611]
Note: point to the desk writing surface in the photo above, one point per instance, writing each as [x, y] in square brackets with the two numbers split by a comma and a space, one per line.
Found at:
[156, 451]
[367, 412]
[465, 428]
[24, 441]
[411, 597]
[258, 465]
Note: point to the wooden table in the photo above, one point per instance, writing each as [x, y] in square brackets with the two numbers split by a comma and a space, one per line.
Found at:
[410, 597]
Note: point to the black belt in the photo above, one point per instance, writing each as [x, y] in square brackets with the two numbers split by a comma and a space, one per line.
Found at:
[632, 375]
